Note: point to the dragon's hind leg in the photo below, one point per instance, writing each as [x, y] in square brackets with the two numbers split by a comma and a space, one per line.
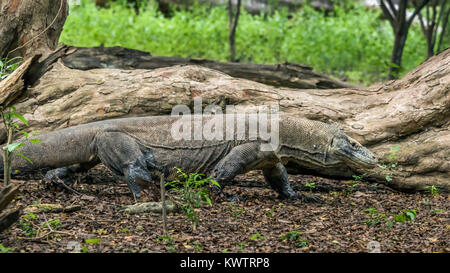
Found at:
[123, 155]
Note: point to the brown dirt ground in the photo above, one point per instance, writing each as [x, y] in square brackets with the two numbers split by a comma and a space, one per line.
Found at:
[339, 224]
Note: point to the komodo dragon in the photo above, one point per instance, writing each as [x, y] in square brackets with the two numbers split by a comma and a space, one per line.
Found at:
[141, 147]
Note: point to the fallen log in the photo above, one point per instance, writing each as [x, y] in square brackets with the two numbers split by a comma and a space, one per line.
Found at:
[284, 74]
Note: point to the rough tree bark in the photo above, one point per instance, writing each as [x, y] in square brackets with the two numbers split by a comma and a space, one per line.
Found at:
[29, 27]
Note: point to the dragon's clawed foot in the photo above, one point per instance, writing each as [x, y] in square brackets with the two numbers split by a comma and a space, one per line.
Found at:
[310, 198]
[235, 198]
[304, 198]
[61, 178]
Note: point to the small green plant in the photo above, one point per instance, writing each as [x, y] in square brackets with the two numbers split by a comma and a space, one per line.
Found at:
[387, 165]
[426, 201]
[359, 177]
[311, 186]
[92, 241]
[9, 117]
[406, 215]
[54, 223]
[242, 246]
[436, 211]
[197, 246]
[351, 187]
[257, 237]
[353, 184]
[376, 218]
[371, 211]
[236, 210]
[193, 191]
[432, 189]
[393, 154]
[124, 230]
[168, 240]
[294, 237]
[269, 212]
[27, 224]
[5, 249]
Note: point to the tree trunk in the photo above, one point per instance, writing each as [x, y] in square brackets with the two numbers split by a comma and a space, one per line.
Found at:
[398, 18]
[233, 19]
[397, 53]
[29, 27]
[412, 112]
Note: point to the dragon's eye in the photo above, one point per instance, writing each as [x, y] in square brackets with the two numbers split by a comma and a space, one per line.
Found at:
[353, 143]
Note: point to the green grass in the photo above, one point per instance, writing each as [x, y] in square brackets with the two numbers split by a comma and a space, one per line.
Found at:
[351, 43]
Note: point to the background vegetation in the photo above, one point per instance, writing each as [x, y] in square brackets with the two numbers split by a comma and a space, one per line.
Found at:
[351, 42]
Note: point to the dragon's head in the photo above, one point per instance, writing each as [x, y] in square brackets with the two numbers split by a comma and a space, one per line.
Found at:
[321, 147]
[351, 151]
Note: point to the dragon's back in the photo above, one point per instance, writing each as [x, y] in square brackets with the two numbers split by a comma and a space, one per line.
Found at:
[175, 142]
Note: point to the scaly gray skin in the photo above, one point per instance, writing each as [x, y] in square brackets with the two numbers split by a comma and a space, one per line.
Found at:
[142, 148]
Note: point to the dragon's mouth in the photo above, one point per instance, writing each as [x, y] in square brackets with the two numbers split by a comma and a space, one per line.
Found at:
[353, 153]
[357, 156]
